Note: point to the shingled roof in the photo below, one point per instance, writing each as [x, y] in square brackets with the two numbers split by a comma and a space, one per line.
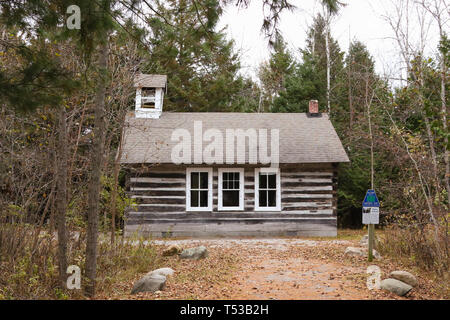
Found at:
[150, 81]
[302, 139]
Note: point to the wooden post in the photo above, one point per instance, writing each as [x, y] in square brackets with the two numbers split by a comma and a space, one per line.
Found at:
[371, 241]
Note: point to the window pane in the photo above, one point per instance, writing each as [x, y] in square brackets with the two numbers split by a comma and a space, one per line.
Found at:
[236, 180]
[263, 198]
[230, 180]
[263, 180]
[204, 180]
[194, 180]
[272, 181]
[203, 198]
[194, 198]
[272, 200]
[230, 198]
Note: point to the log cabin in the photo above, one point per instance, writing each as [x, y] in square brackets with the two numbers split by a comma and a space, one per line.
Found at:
[208, 175]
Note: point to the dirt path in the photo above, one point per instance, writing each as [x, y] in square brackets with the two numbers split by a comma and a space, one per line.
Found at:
[290, 269]
[295, 278]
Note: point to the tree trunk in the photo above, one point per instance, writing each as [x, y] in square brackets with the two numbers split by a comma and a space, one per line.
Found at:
[116, 181]
[61, 196]
[114, 193]
[327, 45]
[350, 95]
[96, 165]
[368, 104]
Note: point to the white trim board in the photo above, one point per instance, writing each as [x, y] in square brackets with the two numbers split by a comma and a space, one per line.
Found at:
[188, 189]
[220, 206]
[278, 190]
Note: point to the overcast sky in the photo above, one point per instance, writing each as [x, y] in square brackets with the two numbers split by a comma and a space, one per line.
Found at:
[360, 19]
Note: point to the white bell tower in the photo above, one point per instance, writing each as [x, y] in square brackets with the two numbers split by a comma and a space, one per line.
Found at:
[149, 95]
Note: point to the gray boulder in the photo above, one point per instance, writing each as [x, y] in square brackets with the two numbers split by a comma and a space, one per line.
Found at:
[395, 286]
[149, 283]
[361, 252]
[404, 276]
[354, 251]
[194, 253]
[365, 241]
[162, 272]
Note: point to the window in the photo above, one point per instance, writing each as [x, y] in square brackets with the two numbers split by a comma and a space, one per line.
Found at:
[148, 98]
[267, 189]
[199, 189]
[231, 189]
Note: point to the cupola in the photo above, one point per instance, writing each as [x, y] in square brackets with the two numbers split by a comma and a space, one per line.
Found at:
[149, 95]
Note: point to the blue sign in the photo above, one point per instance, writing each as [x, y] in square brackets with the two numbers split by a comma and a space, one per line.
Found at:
[371, 199]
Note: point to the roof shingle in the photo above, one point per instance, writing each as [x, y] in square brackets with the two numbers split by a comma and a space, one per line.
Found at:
[150, 81]
[302, 139]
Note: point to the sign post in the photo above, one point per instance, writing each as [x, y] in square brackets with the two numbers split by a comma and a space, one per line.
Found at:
[371, 217]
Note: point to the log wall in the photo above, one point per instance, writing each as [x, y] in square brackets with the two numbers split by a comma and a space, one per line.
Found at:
[308, 202]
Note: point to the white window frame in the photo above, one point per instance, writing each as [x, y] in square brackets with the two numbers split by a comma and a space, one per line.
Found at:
[188, 189]
[278, 192]
[241, 189]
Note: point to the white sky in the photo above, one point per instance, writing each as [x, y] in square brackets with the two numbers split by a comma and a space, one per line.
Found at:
[360, 19]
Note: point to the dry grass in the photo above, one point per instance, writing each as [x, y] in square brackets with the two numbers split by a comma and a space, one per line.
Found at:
[418, 250]
[29, 268]
[193, 279]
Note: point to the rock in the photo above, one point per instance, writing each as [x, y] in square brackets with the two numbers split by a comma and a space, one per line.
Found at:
[194, 253]
[353, 251]
[361, 252]
[365, 241]
[404, 276]
[376, 255]
[395, 286]
[172, 250]
[149, 283]
[162, 272]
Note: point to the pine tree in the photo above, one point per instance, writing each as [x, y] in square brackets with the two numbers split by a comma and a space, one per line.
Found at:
[202, 66]
[273, 73]
[309, 78]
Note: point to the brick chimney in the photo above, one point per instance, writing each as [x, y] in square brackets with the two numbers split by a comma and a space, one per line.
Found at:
[313, 108]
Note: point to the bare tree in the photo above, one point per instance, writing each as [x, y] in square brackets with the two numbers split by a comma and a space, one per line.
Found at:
[410, 51]
[440, 11]
[327, 17]
[330, 9]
